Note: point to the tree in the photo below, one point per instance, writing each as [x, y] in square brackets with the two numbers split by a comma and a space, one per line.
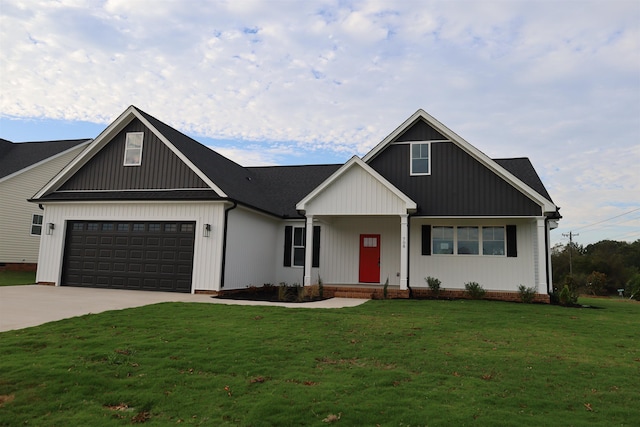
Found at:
[596, 283]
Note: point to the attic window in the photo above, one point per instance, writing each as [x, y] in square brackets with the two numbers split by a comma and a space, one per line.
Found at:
[133, 149]
[421, 158]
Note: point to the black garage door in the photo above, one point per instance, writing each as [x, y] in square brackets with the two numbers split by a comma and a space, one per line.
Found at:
[155, 256]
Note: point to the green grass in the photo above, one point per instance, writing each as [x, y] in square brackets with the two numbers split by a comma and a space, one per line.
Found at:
[10, 278]
[392, 363]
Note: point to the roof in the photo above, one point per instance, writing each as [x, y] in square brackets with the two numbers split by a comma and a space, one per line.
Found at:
[15, 156]
[522, 169]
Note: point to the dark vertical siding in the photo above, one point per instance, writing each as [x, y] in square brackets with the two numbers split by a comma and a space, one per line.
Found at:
[458, 184]
[420, 131]
[160, 168]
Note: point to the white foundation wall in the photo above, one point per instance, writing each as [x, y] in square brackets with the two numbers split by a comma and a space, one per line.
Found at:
[250, 249]
[207, 250]
[340, 248]
[499, 273]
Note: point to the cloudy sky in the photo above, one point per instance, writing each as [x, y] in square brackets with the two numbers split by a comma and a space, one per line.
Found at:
[298, 82]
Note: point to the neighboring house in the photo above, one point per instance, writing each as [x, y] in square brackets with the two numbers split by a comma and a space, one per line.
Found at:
[24, 169]
[146, 207]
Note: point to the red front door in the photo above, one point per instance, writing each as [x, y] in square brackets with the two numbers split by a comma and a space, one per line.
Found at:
[370, 258]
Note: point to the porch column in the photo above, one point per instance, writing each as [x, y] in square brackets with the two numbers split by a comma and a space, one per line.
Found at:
[404, 251]
[541, 256]
[308, 251]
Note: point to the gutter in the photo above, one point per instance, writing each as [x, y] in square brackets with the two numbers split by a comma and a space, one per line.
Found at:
[224, 240]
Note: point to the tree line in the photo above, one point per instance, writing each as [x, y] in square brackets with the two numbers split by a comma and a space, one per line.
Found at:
[600, 268]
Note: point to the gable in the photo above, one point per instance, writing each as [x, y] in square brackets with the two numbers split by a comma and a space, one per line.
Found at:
[420, 131]
[459, 185]
[160, 168]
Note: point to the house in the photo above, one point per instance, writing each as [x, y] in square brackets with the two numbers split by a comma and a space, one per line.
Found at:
[147, 207]
[24, 169]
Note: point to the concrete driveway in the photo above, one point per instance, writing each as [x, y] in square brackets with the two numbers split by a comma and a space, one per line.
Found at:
[32, 305]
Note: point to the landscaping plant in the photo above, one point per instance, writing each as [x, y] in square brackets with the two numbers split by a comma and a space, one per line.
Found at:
[474, 290]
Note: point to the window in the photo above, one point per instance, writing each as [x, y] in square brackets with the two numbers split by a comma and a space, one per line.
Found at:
[492, 240]
[420, 159]
[107, 227]
[442, 240]
[154, 228]
[170, 227]
[298, 246]
[133, 149]
[36, 225]
[123, 227]
[138, 227]
[468, 241]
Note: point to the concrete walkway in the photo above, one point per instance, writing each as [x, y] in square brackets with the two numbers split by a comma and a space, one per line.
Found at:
[32, 305]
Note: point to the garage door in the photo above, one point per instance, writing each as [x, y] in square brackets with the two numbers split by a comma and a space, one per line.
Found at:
[154, 256]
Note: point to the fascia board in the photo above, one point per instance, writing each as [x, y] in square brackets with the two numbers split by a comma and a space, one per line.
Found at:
[546, 204]
[355, 160]
[182, 157]
[43, 161]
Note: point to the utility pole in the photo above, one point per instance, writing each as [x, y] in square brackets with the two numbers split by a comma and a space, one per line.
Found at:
[570, 236]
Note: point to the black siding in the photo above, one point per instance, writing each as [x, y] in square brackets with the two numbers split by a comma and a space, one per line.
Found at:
[420, 131]
[458, 184]
[160, 168]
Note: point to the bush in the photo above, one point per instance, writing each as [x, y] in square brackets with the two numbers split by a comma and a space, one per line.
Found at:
[596, 283]
[569, 294]
[320, 287]
[474, 290]
[385, 289]
[434, 285]
[632, 289]
[526, 294]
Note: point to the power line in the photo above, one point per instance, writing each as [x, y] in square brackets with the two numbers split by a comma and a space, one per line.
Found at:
[609, 219]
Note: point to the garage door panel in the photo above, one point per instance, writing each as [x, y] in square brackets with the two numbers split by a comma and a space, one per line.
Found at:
[129, 255]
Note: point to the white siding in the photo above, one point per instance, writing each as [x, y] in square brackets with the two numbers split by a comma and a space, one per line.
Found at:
[250, 249]
[207, 250]
[356, 193]
[498, 273]
[16, 242]
[340, 249]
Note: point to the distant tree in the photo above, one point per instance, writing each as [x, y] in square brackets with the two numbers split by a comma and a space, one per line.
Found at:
[596, 283]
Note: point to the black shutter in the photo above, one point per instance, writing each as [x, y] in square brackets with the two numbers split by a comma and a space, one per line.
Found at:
[426, 240]
[512, 244]
[315, 262]
[288, 240]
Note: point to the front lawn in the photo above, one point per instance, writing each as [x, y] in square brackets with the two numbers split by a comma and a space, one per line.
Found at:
[388, 363]
[10, 278]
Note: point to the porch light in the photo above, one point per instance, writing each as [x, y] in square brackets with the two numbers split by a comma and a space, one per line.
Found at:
[206, 232]
[50, 227]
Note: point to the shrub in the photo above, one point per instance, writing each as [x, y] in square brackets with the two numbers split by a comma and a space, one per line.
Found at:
[320, 287]
[632, 289]
[434, 286]
[569, 294]
[596, 283]
[385, 289]
[474, 290]
[526, 294]
[282, 291]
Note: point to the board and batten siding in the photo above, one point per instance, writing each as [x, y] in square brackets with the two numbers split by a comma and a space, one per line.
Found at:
[496, 273]
[160, 167]
[251, 256]
[207, 250]
[357, 192]
[17, 245]
[340, 249]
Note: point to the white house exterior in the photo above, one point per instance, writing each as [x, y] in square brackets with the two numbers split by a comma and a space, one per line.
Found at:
[24, 169]
[146, 207]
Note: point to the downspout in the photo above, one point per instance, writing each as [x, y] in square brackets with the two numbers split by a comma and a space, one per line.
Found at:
[547, 255]
[409, 256]
[224, 240]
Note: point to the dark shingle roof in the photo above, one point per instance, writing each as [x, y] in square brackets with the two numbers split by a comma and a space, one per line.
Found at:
[522, 168]
[17, 156]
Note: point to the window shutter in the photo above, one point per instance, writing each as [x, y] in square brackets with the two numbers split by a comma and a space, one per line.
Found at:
[426, 240]
[288, 240]
[316, 246]
[512, 244]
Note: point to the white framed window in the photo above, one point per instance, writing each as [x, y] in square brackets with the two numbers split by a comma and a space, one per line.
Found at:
[420, 158]
[493, 242]
[298, 246]
[469, 240]
[36, 225]
[442, 238]
[133, 149]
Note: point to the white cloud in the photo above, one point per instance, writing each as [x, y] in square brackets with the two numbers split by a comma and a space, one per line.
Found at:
[553, 81]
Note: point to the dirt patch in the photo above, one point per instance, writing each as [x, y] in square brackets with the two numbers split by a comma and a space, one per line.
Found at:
[6, 398]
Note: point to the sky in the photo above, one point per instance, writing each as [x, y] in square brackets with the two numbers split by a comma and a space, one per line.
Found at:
[306, 82]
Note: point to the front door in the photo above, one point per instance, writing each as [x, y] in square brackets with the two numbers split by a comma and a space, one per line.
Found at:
[370, 258]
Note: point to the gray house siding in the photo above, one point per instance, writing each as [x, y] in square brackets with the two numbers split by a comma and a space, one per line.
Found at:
[160, 168]
[459, 185]
[420, 131]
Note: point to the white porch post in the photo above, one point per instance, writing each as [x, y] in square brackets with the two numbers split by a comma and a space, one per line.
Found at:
[308, 251]
[404, 250]
[541, 265]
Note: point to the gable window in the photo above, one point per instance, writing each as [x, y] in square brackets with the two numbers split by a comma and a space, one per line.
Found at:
[133, 149]
[36, 225]
[421, 158]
